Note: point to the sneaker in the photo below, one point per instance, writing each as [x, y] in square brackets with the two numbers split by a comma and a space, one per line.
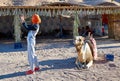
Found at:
[29, 72]
[36, 69]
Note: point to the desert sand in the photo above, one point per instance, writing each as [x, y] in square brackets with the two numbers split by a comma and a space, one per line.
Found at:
[57, 61]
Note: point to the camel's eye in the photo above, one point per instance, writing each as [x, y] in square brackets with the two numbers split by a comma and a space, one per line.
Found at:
[79, 39]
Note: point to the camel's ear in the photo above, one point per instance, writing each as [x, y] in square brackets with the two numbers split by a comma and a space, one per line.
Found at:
[91, 36]
[88, 34]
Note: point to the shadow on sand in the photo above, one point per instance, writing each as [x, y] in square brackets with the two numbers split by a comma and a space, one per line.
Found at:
[58, 64]
[107, 47]
[58, 43]
[51, 64]
[9, 47]
[12, 75]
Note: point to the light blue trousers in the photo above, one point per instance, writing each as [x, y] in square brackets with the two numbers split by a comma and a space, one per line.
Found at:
[32, 57]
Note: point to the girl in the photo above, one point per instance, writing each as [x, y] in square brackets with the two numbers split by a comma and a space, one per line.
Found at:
[33, 30]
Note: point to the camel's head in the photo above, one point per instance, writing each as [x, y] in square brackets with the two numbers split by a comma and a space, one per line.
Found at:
[79, 40]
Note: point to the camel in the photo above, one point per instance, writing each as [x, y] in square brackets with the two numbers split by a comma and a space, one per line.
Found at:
[87, 51]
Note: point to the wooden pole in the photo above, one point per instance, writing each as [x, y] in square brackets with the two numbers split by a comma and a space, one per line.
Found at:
[17, 32]
[76, 25]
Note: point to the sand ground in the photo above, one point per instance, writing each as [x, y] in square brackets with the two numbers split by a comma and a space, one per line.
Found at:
[57, 61]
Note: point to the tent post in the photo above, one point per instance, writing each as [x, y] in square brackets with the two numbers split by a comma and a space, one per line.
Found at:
[76, 25]
[61, 27]
[17, 32]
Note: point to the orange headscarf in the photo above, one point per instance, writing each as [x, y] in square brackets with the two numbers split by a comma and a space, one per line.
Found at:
[36, 19]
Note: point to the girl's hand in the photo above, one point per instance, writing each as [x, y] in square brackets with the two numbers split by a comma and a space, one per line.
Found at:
[22, 18]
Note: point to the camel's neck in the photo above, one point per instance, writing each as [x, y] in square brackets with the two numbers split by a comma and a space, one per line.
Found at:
[78, 48]
[81, 51]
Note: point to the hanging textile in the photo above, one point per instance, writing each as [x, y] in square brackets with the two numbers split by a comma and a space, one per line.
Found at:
[76, 25]
[104, 19]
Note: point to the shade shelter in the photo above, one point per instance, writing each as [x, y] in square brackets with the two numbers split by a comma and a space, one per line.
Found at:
[49, 10]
